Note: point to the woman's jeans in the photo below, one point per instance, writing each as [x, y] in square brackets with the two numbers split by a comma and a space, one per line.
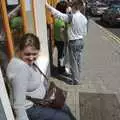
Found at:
[45, 113]
[75, 56]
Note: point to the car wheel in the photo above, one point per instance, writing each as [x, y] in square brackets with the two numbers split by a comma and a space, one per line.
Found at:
[92, 12]
[111, 23]
[102, 21]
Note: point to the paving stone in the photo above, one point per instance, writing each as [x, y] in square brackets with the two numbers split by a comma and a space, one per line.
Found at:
[95, 106]
[99, 79]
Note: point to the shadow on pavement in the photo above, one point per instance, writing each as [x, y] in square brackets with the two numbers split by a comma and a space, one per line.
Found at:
[61, 76]
[106, 25]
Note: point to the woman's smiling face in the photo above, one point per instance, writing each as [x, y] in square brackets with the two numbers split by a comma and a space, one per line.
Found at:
[29, 54]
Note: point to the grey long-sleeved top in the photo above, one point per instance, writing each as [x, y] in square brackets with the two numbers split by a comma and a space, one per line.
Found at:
[25, 80]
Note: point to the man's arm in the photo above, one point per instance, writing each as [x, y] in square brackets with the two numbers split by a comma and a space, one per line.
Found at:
[56, 13]
[85, 28]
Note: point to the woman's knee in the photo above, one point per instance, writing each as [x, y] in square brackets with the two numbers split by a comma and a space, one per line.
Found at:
[61, 116]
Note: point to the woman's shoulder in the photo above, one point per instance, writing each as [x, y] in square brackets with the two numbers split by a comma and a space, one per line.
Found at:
[17, 67]
[17, 64]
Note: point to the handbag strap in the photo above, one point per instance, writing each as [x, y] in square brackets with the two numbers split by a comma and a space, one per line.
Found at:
[41, 72]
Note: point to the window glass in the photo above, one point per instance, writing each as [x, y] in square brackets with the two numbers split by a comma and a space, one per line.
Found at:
[15, 21]
[30, 16]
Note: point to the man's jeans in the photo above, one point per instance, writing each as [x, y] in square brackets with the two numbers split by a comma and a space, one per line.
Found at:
[75, 55]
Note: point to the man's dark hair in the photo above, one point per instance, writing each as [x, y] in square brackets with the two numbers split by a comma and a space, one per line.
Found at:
[77, 4]
[62, 6]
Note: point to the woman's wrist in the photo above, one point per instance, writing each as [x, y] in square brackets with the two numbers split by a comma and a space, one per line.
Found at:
[46, 3]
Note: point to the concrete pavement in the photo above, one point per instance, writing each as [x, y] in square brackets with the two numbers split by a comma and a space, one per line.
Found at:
[101, 67]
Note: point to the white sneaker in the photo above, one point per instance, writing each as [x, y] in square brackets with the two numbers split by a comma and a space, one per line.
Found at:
[67, 70]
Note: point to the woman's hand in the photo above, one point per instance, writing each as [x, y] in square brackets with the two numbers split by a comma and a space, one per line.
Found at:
[46, 3]
[69, 10]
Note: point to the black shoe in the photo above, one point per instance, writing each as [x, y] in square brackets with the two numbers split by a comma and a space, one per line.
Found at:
[61, 70]
[76, 83]
[67, 74]
[70, 82]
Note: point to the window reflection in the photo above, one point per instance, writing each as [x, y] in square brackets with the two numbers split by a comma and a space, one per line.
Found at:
[15, 22]
[3, 47]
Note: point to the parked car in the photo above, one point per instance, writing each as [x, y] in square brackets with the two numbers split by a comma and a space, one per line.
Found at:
[98, 9]
[112, 15]
[113, 2]
[88, 6]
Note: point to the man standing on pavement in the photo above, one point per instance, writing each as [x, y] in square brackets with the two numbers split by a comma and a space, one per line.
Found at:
[77, 30]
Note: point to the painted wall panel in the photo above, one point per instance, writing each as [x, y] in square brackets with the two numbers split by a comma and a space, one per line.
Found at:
[41, 30]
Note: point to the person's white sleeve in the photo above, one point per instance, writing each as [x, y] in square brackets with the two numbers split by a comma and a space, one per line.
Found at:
[57, 14]
[19, 84]
[85, 28]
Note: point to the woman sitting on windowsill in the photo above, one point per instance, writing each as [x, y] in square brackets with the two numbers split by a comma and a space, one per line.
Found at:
[26, 81]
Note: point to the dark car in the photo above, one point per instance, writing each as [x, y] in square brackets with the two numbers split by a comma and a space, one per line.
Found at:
[113, 2]
[98, 9]
[88, 7]
[112, 15]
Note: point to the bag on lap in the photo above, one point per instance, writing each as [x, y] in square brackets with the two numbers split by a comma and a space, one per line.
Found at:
[55, 97]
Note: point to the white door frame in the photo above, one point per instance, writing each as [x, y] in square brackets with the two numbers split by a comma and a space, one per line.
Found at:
[5, 100]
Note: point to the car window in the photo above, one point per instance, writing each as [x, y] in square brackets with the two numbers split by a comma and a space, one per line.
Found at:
[115, 8]
[102, 5]
[108, 11]
[118, 9]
